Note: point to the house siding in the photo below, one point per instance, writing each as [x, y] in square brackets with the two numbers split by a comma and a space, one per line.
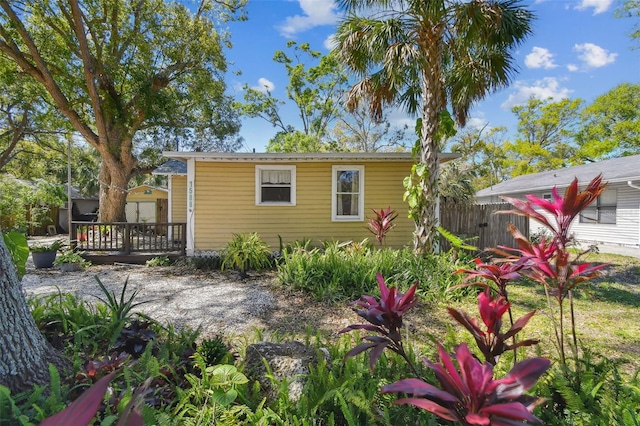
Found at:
[225, 204]
[178, 198]
[138, 195]
[626, 230]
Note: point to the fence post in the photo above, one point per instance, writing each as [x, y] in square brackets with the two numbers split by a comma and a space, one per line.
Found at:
[126, 238]
[73, 235]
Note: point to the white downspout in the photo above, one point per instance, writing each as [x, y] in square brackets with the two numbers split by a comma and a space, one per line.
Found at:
[631, 185]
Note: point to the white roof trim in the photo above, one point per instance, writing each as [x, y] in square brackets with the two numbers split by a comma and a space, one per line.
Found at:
[289, 157]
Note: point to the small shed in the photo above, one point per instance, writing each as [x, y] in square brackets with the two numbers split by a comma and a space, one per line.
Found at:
[146, 203]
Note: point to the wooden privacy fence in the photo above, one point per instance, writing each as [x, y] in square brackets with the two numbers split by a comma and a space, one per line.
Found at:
[479, 225]
[129, 238]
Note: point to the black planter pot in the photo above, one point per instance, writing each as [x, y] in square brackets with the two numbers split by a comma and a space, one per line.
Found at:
[43, 259]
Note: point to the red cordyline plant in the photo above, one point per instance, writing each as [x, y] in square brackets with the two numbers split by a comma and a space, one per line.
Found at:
[382, 223]
[501, 274]
[468, 394]
[549, 262]
[471, 397]
[385, 318]
[490, 340]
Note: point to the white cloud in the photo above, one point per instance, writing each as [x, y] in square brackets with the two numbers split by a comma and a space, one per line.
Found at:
[539, 58]
[476, 122]
[548, 87]
[599, 6]
[315, 13]
[399, 118]
[264, 85]
[572, 67]
[594, 56]
[329, 42]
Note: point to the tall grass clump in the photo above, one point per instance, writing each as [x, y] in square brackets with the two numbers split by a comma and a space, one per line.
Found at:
[342, 271]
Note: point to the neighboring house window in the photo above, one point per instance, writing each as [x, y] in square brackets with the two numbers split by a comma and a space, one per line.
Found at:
[347, 193]
[276, 185]
[547, 196]
[603, 210]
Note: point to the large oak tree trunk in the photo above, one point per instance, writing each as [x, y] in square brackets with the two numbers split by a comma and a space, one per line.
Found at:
[25, 354]
[116, 169]
[113, 194]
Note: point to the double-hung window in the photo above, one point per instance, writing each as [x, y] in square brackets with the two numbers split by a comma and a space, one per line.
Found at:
[347, 193]
[603, 210]
[276, 185]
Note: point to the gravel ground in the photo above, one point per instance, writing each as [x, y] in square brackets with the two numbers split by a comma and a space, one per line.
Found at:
[217, 301]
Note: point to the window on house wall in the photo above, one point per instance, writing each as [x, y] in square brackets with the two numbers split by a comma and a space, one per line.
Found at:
[347, 193]
[547, 196]
[276, 185]
[603, 210]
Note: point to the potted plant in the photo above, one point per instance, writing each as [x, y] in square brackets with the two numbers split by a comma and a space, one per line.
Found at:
[43, 255]
[71, 260]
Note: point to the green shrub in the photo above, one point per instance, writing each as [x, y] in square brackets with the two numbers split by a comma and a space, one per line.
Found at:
[344, 271]
[246, 252]
[158, 261]
[213, 351]
[71, 324]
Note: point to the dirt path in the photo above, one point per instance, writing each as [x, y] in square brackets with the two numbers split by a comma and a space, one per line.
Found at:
[218, 302]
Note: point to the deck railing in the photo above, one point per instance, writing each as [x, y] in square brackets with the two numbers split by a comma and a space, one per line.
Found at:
[129, 238]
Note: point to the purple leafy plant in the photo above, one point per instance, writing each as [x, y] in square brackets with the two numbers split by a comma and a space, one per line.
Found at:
[490, 340]
[382, 223]
[468, 394]
[384, 317]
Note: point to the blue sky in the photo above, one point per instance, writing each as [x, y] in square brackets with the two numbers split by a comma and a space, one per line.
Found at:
[578, 50]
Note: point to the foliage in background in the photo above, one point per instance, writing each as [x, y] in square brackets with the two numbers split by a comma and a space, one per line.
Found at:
[545, 136]
[315, 90]
[610, 125]
[246, 252]
[116, 84]
[27, 204]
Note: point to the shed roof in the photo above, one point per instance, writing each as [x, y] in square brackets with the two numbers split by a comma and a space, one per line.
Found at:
[172, 167]
[614, 170]
[288, 157]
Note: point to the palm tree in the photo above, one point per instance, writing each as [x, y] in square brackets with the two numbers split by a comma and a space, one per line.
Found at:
[426, 55]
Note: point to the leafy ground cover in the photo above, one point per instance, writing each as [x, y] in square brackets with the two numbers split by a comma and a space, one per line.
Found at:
[176, 369]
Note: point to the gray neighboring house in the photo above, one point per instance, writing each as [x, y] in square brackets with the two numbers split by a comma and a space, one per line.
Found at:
[613, 220]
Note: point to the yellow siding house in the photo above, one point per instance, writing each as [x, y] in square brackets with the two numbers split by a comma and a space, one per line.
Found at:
[318, 196]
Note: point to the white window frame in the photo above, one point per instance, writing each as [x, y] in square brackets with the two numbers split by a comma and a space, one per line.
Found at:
[600, 208]
[334, 194]
[258, 190]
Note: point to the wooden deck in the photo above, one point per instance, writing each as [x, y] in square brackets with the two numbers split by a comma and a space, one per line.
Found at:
[103, 242]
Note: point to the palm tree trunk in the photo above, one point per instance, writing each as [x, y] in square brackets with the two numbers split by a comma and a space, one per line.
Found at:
[433, 102]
